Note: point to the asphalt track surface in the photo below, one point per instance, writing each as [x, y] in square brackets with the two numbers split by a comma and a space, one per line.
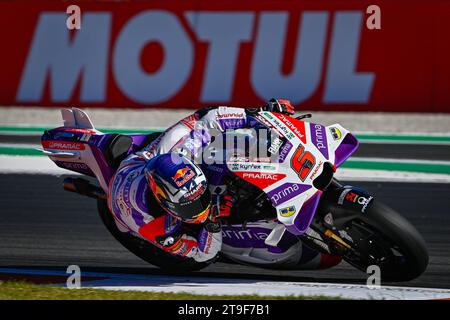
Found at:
[43, 226]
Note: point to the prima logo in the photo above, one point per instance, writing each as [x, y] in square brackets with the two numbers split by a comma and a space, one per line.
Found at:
[244, 235]
[286, 193]
[319, 136]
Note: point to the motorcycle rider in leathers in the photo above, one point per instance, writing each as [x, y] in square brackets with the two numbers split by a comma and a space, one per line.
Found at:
[181, 188]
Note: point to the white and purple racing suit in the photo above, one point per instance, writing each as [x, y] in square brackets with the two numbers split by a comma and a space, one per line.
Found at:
[127, 196]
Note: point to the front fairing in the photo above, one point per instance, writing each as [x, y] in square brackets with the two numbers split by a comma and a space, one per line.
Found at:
[285, 180]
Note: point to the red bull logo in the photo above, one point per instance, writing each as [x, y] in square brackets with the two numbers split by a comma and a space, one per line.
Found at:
[182, 176]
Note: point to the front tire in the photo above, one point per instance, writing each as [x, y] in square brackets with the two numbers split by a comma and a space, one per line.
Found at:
[385, 238]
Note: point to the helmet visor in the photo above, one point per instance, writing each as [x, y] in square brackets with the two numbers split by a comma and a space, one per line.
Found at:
[194, 211]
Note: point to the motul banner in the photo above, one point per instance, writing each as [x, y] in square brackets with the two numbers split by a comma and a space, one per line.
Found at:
[180, 53]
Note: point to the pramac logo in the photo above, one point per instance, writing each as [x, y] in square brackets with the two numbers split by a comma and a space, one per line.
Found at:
[62, 145]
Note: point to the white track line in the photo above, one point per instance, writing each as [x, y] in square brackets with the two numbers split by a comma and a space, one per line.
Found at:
[243, 287]
[30, 165]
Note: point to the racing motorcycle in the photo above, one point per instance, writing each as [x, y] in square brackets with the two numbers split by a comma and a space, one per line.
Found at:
[296, 192]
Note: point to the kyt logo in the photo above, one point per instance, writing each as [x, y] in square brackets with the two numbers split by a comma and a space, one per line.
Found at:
[82, 60]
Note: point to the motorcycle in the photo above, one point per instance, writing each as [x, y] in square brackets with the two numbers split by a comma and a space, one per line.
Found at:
[295, 193]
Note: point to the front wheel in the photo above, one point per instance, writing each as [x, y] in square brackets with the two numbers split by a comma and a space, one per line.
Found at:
[384, 238]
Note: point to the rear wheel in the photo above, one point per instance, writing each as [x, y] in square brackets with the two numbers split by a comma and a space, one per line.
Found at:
[144, 249]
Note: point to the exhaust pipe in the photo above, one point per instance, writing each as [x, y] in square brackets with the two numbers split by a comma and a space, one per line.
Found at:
[84, 187]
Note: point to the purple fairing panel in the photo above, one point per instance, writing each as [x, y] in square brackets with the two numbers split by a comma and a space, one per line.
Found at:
[229, 124]
[284, 151]
[138, 139]
[347, 147]
[319, 138]
[75, 166]
[96, 142]
[286, 192]
[304, 217]
[254, 237]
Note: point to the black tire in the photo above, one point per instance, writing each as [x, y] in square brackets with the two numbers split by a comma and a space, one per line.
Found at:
[394, 233]
[144, 249]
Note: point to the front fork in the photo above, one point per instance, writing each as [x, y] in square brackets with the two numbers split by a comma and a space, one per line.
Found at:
[339, 205]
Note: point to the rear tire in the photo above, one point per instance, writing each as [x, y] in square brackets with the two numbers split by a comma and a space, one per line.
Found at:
[144, 249]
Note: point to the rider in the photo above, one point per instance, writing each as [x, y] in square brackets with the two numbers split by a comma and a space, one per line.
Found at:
[188, 225]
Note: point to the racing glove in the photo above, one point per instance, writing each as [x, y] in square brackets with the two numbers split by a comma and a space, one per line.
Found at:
[279, 105]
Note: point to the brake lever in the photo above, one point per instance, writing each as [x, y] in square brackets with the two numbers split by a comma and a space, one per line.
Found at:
[304, 116]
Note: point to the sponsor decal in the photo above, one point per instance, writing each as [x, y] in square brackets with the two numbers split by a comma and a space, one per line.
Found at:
[275, 145]
[366, 204]
[329, 219]
[262, 119]
[123, 207]
[80, 130]
[316, 169]
[147, 155]
[75, 166]
[190, 121]
[230, 115]
[269, 167]
[182, 176]
[360, 200]
[252, 167]
[260, 179]
[237, 158]
[279, 127]
[64, 135]
[284, 151]
[208, 244]
[62, 145]
[86, 137]
[295, 126]
[287, 212]
[250, 237]
[286, 192]
[319, 138]
[261, 175]
[194, 193]
[342, 196]
[335, 133]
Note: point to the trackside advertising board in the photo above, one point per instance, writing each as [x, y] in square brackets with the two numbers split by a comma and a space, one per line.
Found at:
[180, 53]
